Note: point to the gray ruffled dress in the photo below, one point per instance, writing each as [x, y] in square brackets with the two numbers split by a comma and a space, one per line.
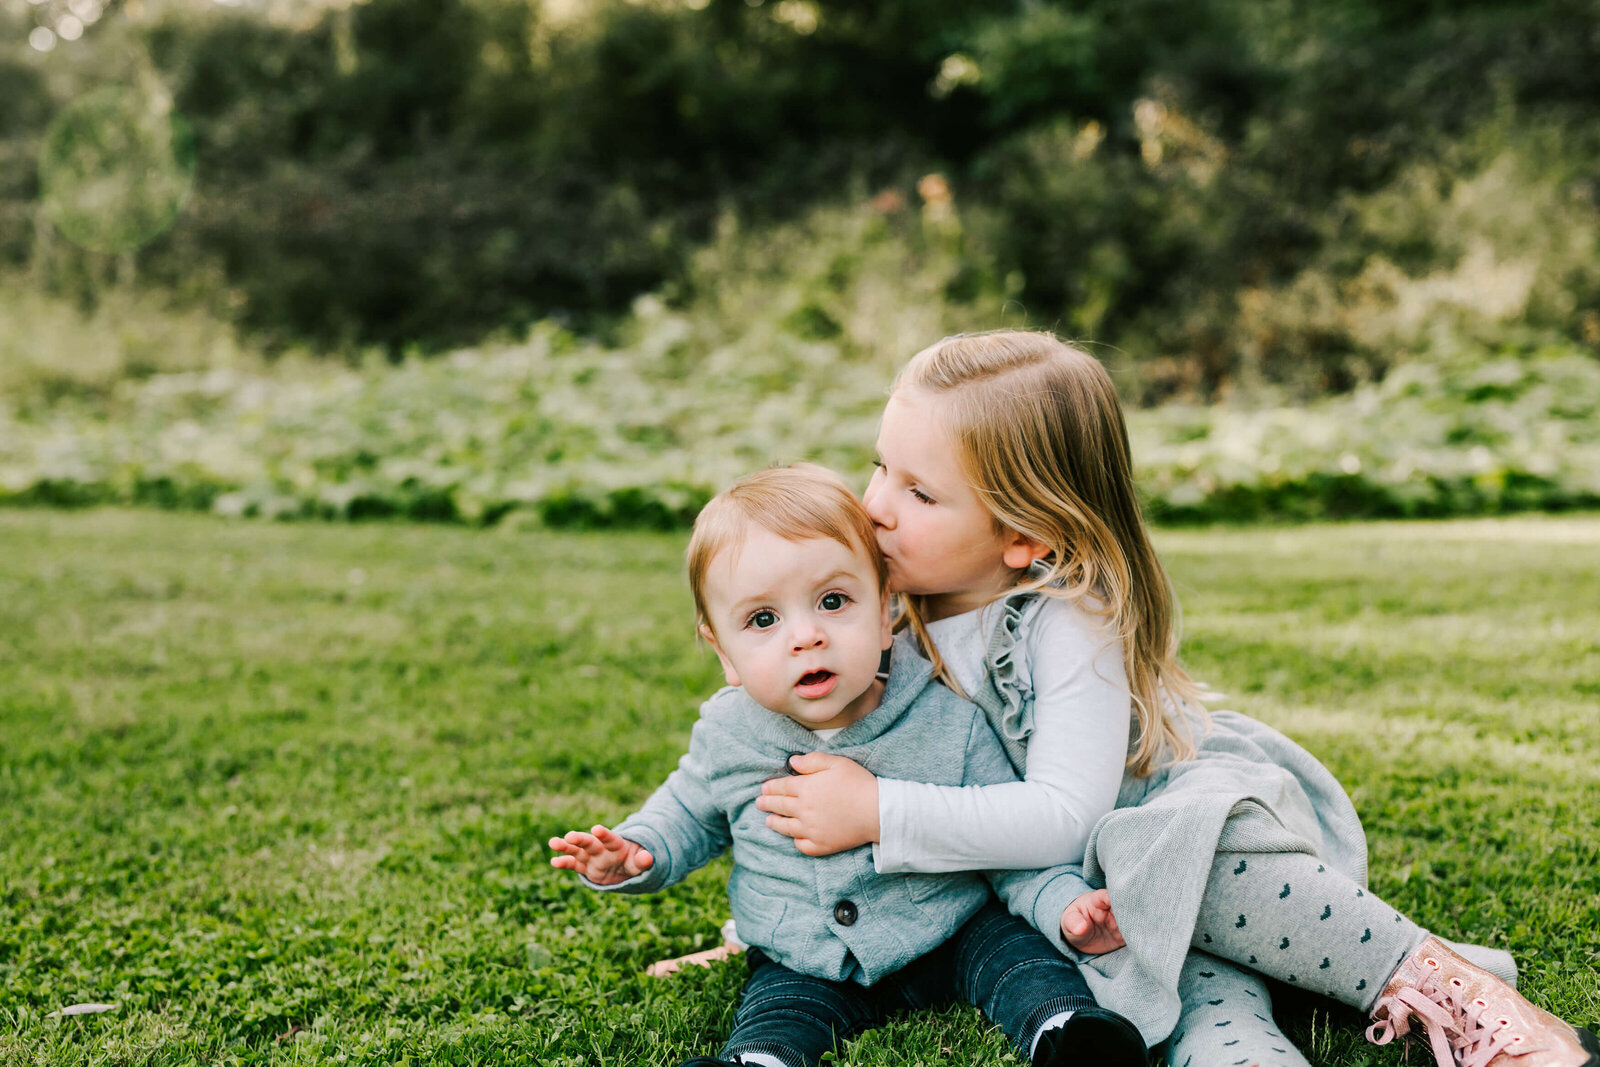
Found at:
[1248, 789]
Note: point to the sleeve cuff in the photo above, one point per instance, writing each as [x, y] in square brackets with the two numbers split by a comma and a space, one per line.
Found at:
[1052, 902]
[648, 881]
[889, 851]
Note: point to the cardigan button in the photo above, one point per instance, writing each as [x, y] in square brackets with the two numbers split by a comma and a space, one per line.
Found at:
[844, 913]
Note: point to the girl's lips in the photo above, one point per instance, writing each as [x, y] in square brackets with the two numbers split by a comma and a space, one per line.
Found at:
[816, 684]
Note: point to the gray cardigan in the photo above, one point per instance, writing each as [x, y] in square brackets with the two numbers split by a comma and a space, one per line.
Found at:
[834, 916]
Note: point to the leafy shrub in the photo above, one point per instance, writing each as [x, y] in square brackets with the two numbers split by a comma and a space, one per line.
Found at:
[1492, 247]
[51, 349]
[575, 433]
[1431, 440]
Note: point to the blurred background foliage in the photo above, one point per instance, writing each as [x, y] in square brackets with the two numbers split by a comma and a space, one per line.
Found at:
[1256, 203]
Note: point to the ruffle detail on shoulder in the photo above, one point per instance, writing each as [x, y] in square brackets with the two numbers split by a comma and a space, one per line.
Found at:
[1011, 668]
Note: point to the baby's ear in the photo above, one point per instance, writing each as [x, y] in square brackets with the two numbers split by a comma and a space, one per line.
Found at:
[886, 639]
[727, 666]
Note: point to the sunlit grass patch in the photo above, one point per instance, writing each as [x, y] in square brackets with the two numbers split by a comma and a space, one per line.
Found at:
[281, 792]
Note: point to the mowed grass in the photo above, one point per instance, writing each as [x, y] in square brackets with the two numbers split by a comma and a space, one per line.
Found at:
[281, 792]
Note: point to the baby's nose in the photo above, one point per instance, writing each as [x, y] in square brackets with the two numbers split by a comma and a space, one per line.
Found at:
[808, 635]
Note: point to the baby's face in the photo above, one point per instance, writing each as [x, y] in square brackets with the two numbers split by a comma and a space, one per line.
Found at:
[800, 625]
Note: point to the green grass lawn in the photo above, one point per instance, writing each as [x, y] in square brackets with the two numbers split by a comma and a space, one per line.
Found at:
[281, 792]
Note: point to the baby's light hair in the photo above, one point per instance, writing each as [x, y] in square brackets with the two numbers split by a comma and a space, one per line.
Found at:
[796, 503]
[1039, 433]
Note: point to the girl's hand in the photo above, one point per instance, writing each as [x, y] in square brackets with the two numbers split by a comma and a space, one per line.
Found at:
[1088, 925]
[830, 805]
[601, 856]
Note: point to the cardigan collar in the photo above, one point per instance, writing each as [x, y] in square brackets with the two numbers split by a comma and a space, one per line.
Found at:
[909, 675]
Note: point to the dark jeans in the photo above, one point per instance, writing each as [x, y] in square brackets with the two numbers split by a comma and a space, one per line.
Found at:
[996, 961]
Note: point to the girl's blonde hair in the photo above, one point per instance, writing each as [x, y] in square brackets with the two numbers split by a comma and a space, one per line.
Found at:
[1040, 436]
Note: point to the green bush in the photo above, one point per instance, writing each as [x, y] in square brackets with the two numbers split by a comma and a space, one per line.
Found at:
[1221, 189]
[51, 349]
[1509, 434]
[574, 433]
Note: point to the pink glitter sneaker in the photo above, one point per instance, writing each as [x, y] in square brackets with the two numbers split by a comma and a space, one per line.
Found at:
[1470, 1018]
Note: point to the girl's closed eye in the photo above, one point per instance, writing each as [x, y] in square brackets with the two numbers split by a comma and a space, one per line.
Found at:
[761, 619]
[921, 497]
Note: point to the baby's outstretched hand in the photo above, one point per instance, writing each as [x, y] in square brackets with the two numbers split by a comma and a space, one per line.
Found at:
[600, 856]
[1088, 925]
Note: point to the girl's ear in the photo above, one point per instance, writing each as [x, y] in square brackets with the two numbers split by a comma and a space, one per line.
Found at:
[727, 665]
[1021, 550]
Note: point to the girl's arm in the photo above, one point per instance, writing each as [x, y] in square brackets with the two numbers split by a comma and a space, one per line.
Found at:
[1081, 722]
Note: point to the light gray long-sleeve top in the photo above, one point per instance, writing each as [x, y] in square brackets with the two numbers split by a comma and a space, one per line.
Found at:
[1071, 662]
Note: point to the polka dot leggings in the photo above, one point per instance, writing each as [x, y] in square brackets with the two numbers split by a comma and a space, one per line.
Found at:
[1226, 1019]
[1289, 916]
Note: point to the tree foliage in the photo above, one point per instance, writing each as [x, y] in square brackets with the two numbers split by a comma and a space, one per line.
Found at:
[421, 173]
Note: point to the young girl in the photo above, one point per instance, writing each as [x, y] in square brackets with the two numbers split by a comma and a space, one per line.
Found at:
[1005, 505]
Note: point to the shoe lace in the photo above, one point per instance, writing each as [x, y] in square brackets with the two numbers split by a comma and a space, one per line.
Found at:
[1457, 1032]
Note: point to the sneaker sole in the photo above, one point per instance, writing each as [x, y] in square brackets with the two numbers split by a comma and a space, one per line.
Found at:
[1590, 1045]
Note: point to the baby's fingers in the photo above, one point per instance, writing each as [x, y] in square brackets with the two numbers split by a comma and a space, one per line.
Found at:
[607, 839]
[567, 844]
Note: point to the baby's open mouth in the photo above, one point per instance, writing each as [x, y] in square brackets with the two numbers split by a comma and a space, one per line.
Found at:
[814, 685]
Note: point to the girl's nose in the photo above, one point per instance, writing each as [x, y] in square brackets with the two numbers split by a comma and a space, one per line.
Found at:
[873, 501]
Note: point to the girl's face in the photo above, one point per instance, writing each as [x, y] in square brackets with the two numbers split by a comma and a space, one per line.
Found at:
[940, 540]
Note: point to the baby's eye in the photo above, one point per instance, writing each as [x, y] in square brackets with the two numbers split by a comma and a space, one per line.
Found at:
[834, 601]
[765, 619]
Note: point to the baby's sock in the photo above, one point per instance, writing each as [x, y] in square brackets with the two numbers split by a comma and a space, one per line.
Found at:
[1226, 1020]
[760, 1059]
[1058, 1019]
[1290, 916]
